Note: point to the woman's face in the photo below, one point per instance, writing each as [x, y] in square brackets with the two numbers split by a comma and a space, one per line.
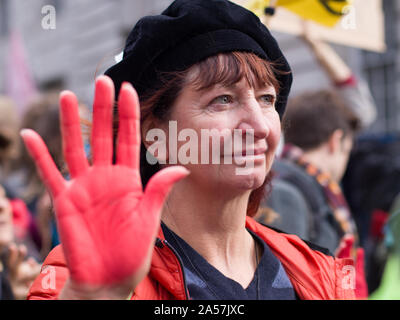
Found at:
[6, 223]
[246, 130]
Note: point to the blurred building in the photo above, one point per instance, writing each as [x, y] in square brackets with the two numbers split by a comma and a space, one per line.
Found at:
[89, 33]
[87, 36]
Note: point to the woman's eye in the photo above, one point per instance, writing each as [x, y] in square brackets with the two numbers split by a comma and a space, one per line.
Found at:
[224, 99]
[268, 99]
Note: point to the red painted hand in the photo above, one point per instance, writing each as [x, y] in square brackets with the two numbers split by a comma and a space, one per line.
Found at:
[107, 224]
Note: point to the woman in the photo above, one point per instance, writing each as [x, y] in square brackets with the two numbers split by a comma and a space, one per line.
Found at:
[199, 65]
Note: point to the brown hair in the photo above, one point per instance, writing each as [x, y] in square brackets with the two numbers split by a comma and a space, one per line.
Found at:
[229, 68]
[312, 117]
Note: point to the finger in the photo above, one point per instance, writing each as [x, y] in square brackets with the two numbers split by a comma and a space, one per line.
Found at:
[29, 270]
[102, 143]
[12, 254]
[12, 262]
[32, 262]
[74, 153]
[158, 188]
[21, 254]
[46, 167]
[128, 149]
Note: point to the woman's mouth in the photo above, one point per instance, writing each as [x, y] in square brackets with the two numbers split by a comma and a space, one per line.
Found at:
[249, 154]
[253, 152]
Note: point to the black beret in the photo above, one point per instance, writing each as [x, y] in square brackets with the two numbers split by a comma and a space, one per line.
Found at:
[189, 31]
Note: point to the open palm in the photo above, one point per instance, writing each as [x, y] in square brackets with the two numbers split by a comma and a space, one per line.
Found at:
[107, 224]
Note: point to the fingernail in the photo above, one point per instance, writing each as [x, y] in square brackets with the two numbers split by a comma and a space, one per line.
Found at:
[65, 92]
[23, 132]
[127, 85]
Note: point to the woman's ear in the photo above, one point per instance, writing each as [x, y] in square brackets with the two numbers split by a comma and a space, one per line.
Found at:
[145, 126]
[335, 141]
[154, 139]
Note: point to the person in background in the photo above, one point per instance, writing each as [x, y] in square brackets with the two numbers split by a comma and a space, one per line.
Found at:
[352, 89]
[371, 186]
[18, 268]
[9, 141]
[42, 116]
[318, 156]
[306, 197]
[356, 96]
[18, 251]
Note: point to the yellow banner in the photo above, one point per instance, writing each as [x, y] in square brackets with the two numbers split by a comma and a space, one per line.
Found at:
[361, 26]
[324, 12]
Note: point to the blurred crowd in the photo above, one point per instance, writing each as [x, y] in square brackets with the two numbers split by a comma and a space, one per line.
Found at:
[27, 225]
[334, 185]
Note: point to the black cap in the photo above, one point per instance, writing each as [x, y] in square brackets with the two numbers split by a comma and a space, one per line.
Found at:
[189, 31]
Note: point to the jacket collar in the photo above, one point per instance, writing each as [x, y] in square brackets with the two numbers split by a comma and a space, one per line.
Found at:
[313, 274]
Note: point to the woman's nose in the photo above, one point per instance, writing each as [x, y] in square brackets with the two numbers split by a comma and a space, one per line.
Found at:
[254, 119]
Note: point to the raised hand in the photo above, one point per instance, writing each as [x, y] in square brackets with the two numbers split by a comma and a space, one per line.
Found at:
[22, 271]
[107, 224]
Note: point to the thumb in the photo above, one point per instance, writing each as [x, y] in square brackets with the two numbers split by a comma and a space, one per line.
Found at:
[159, 186]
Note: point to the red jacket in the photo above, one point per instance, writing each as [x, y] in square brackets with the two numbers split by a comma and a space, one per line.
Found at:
[312, 274]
